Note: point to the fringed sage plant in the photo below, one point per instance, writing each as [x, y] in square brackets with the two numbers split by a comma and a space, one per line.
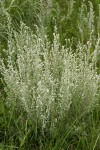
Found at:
[48, 80]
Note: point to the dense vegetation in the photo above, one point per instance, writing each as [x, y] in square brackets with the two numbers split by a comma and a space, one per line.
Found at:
[50, 75]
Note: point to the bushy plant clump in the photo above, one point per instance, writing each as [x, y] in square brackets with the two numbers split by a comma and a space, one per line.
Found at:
[49, 74]
[48, 80]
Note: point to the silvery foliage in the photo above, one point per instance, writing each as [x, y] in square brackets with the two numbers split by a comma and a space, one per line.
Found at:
[45, 79]
[86, 21]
